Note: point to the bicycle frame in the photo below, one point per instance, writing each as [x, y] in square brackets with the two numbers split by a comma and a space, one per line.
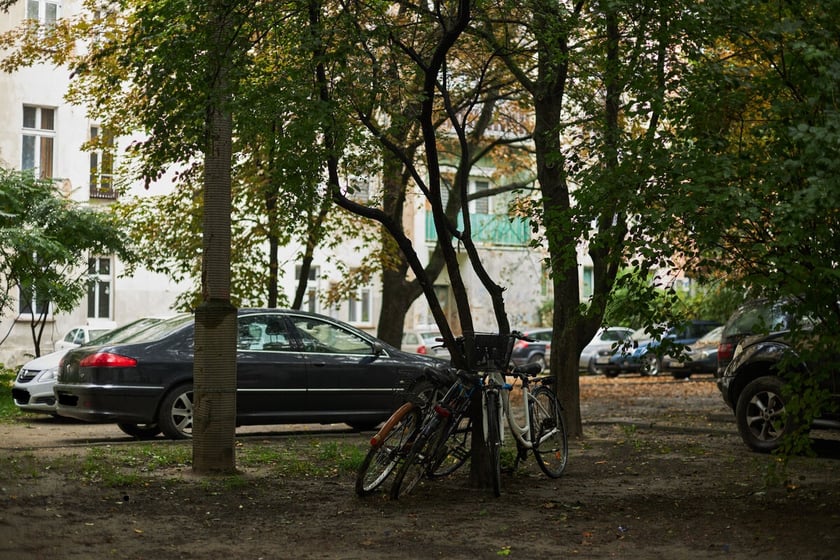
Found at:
[523, 434]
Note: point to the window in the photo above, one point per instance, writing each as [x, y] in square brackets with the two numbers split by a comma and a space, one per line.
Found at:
[481, 205]
[360, 190]
[102, 164]
[29, 301]
[310, 301]
[587, 288]
[326, 338]
[360, 305]
[38, 141]
[99, 288]
[42, 11]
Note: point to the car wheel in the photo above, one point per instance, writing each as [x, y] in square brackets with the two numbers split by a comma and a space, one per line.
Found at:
[650, 365]
[538, 359]
[591, 368]
[139, 431]
[176, 413]
[760, 414]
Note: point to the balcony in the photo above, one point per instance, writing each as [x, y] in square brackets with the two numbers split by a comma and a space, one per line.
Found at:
[490, 229]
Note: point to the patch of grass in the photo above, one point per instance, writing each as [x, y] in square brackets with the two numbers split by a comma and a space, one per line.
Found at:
[8, 409]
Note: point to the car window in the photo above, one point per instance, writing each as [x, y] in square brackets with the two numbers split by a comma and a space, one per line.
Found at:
[264, 332]
[130, 329]
[542, 336]
[155, 331]
[72, 336]
[326, 338]
[711, 337]
[756, 318]
[96, 333]
[409, 338]
[613, 336]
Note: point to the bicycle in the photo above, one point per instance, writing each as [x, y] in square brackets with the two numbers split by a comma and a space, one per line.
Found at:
[394, 438]
[446, 429]
[544, 431]
[447, 421]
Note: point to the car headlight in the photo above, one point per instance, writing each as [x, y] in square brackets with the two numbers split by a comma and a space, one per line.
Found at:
[50, 374]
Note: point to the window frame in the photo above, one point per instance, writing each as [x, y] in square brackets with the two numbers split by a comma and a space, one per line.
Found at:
[43, 140]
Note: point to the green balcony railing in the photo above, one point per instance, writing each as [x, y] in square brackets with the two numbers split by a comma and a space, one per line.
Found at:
[492, 229]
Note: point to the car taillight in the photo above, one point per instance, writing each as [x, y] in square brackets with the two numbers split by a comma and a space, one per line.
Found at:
[422, 350]
[520, 344]
[725, 351]
[107, 359]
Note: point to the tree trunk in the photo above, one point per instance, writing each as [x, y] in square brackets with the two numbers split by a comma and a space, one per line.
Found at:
[214, 405]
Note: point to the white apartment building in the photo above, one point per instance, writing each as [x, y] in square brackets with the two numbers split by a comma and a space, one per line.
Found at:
[40, 131]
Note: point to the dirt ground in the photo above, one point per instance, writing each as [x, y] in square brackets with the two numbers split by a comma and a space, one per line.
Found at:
[660, 474]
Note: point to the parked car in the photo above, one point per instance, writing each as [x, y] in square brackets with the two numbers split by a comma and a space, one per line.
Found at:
[699, 357]
[32, 390]
[83, 334]
[644, 358]
[424, 341]
[606, 339]
[754, 317]
[751, 381]
[292, 367]
[538, 351]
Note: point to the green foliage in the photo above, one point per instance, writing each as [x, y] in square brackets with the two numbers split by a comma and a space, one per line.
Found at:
[8, 409]
[45, 241]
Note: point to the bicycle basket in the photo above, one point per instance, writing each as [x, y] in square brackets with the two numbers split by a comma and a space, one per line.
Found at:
[492, 351]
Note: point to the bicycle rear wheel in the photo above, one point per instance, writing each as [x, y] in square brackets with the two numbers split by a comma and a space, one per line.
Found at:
[494, 441]
[548, 432]
[384, 455]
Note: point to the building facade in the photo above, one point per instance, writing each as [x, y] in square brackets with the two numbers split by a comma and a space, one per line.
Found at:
[40, 132]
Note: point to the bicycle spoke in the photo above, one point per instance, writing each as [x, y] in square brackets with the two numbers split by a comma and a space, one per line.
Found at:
[383, 458]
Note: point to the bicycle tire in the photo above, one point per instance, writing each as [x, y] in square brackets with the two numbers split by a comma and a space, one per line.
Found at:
[494, 441]
[416, 463]
[458, 446]
[551, 451]
[389, 448]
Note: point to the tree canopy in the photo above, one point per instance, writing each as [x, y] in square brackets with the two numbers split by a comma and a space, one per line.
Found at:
[45, 242]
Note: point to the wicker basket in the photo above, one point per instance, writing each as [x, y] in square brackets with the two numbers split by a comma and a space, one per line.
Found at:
[492, 351]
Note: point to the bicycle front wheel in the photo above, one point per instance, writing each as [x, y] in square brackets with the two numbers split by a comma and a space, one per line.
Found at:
[393, 441]
[548, 432]
[494, 440]
[417, 460]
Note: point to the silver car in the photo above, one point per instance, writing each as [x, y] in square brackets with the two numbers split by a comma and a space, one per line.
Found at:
[32, 390]
[604, 339]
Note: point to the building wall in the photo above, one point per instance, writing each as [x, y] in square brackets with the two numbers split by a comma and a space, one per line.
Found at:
[44, 86]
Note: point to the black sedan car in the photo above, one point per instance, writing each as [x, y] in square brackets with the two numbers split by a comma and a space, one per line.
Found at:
[292, 367]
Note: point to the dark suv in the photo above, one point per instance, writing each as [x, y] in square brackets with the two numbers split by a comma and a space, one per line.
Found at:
[753, 343]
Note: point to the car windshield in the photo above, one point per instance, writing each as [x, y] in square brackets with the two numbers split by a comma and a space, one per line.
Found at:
[710, 338]
[756, 318]
[128, 330]
[430, 338]
[155, 330]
